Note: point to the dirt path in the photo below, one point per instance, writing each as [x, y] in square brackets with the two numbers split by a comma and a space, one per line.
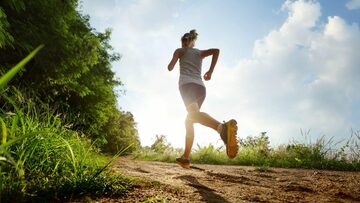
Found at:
[213, 183]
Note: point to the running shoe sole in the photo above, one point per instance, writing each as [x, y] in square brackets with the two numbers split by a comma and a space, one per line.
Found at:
[231, 145]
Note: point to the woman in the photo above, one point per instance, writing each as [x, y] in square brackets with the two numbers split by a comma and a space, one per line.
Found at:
[193, 92]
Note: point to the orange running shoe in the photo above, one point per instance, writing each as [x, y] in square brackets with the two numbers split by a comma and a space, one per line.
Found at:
[228, 135]
[185, 163]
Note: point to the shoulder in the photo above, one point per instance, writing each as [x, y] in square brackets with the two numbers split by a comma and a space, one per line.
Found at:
[180, 52]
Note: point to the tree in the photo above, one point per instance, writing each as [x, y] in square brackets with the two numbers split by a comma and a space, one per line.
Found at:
[73, 72]
[5, 37]
[121, 133]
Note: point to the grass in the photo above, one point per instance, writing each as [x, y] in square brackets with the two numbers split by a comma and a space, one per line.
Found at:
[256, 151]
[42, 160]
[263, 168]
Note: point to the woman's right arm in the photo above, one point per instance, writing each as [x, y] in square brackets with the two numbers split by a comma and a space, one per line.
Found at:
[175, 58]
[215, 55]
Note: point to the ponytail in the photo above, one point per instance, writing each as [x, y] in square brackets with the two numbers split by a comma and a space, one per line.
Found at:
[187, 38]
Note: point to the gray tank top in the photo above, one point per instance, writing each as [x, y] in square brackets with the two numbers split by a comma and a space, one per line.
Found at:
[190, 67]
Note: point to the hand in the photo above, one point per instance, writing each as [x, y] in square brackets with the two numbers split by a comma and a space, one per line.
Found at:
[207, 75]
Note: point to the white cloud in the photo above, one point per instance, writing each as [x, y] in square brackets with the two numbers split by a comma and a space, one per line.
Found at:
[353, 4]
[302, 75]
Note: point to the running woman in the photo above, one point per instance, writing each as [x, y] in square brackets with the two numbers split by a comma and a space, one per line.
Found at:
[193, 92]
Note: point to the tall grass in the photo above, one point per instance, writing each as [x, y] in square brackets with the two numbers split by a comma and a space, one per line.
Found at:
[40, 159]
[256, 151]
[12, 72]
[160, 150]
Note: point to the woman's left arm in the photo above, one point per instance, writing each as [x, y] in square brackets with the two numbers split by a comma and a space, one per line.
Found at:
[215, 55]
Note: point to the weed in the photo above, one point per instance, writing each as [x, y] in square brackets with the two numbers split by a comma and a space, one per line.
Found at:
[256, 151]
[42, 160]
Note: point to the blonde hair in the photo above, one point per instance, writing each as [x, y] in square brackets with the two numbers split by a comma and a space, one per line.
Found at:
[189, 37]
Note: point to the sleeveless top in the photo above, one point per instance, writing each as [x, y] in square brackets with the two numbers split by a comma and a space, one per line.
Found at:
[190, 67]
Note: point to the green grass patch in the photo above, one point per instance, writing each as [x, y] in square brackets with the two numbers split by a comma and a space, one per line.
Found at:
[43, 160]
[256, 151]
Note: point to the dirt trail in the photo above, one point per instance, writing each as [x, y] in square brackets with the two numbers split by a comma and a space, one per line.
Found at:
[214, 183]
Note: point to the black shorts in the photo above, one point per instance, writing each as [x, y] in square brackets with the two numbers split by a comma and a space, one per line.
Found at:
[191, 93]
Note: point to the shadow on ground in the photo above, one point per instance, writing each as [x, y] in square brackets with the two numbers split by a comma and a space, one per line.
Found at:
[206, 193]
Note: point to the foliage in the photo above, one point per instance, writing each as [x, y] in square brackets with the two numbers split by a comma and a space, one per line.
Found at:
[41, 159]
[259, 144]
[160, 145]
[256, 151]
[68, 92]
[5, 37]
[209, 154]
[160, 150]
[121, 125]
[72, 74]
[12, 72]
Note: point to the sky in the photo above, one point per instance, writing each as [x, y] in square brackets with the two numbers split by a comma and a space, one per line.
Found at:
[288, 68]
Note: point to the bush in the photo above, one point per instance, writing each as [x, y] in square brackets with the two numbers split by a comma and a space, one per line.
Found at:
[160, 150]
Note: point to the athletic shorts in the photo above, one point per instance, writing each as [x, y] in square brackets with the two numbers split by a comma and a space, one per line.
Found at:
[191, 93]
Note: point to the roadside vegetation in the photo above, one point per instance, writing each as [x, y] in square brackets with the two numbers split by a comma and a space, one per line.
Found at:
[61, 125]
[41, 159]
[256, 151]
[58, 105]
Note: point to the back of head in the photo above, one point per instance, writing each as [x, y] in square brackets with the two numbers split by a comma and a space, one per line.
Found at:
[188, 38]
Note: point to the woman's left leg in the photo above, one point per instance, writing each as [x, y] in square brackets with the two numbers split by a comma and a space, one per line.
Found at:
[189, 138]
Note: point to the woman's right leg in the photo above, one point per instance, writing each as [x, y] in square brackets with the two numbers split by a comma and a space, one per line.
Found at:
[195, 116]
[203, 118]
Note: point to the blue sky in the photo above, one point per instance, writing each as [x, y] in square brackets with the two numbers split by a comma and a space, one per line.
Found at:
[283, 66]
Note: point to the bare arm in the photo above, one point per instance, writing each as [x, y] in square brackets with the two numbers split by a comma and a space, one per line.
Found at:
[177, 54]
[215, 56]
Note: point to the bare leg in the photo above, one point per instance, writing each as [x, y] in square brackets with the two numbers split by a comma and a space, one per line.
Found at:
[195, 116]
[189, 138]
[201, 117]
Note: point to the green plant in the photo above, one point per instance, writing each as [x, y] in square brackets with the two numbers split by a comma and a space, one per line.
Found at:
[43, 160]
[256, 151]
[263, 168]
[12, 72]
[74, 75]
